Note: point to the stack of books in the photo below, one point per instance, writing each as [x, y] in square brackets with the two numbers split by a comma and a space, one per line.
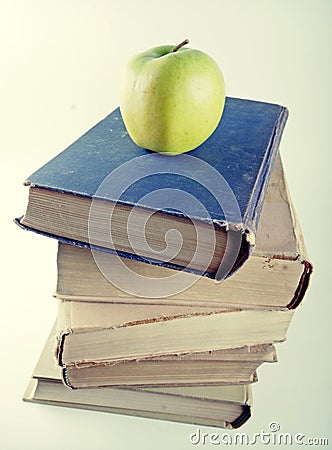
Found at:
[177, 276]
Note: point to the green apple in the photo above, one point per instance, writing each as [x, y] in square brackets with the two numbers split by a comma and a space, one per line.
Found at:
[171, 98]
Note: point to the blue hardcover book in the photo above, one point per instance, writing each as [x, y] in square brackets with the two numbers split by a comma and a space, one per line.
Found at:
[196, 212]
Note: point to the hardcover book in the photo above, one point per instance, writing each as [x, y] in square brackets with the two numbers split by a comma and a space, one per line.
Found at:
[230, 366]
[275, 276]
[220, 406]
[105, 192]
[109, 332]
[225, 367]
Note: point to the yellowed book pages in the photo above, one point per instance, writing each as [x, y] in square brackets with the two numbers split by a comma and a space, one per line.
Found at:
[228, 366]
[221, 406]
[149, 335]
[275, 276]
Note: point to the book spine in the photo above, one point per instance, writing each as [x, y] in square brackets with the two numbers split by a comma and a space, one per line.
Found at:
[252, 214]
[243, 418]
[65, 378]
[302, 286]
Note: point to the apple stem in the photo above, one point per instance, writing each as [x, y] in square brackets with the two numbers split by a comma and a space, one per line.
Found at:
[175, 49]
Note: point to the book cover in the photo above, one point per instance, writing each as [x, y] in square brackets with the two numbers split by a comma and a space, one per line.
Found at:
[221, 406]
[224, 183]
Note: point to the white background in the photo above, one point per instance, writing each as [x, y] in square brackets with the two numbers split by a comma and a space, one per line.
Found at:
[60, 67]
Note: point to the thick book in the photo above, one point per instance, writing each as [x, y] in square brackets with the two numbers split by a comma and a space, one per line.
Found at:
[220, 406]
[276, 275]
[224, 367]
[109, 332]
[107, 193]
[230, 366]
